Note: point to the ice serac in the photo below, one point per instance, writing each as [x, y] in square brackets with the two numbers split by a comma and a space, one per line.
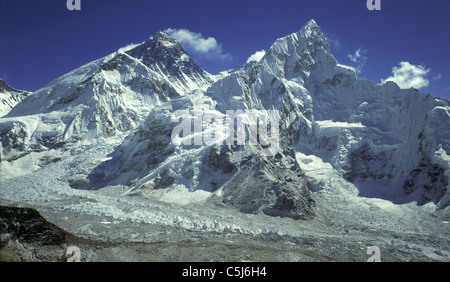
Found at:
[112, 94]
[10, 97]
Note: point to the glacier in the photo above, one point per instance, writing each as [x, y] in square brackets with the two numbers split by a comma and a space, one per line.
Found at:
[355, 157]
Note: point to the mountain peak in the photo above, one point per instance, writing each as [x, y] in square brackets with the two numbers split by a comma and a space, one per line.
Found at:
[311, 23]
[304, 54]
[158, 48]
[163, 53]
[160, 36]
[312, 30]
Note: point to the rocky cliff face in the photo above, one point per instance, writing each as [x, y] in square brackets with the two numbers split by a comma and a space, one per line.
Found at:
[24, 231]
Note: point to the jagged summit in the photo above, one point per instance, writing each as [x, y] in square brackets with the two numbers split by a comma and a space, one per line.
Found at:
[314, 33]
[311, 23]
[164, 54]
[157, 47]
[309, 33]
[303, 54]
[162, 49]
[160, 35]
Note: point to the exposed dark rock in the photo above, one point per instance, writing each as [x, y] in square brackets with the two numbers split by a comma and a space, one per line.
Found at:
[365, 163]
[27, 225]
[429, 177]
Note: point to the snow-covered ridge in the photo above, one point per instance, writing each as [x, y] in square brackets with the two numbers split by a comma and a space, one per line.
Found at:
[10, 97]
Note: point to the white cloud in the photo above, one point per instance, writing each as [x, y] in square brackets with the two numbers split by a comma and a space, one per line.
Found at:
[195, 43]
[437, 77]
[257, 56]
[359, 59]
[408, 75]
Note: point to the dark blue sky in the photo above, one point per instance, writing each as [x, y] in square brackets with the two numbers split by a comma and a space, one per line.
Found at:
[41, 40]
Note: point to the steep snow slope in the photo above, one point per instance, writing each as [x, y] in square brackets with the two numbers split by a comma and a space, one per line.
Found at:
[9, 97]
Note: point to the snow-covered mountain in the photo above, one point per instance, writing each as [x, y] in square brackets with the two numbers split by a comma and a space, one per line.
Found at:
[110, 95]
[388, 142]
[10, 97]
[376, 136]
[336, 130]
